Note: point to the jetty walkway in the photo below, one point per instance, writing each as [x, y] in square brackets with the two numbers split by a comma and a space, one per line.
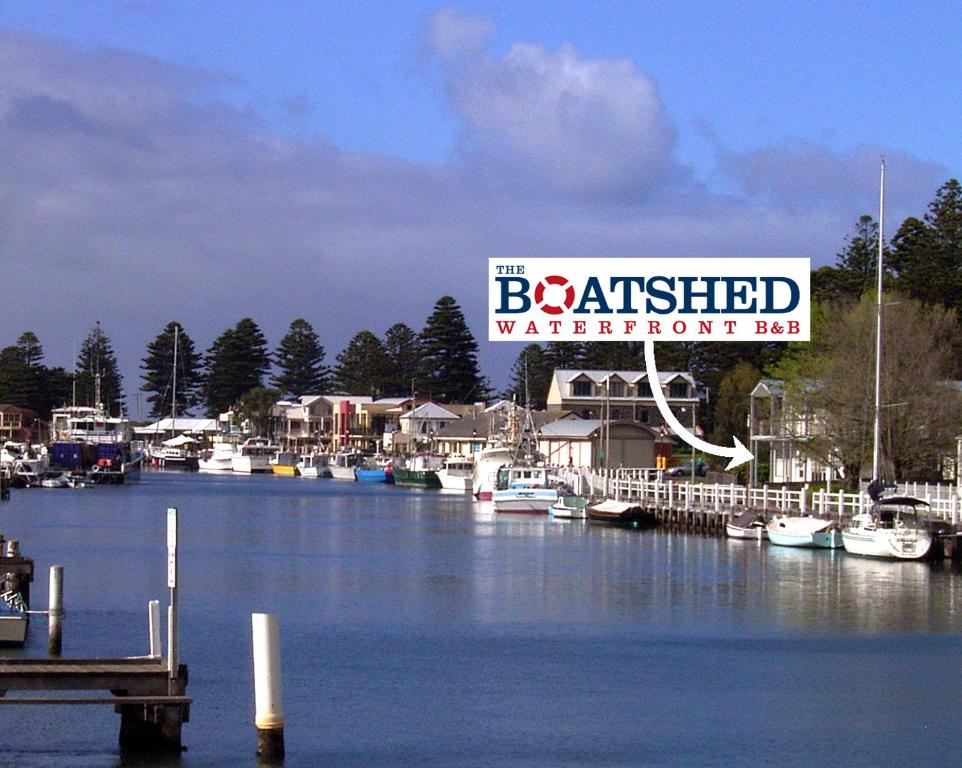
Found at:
[708, 505]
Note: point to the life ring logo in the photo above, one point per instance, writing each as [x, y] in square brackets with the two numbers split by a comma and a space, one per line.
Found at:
[668, 299]
[558, 282]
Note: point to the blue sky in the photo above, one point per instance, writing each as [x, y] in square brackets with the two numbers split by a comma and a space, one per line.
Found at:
[351, 163]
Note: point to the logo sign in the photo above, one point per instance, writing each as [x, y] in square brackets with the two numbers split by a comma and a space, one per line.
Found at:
[656, 299]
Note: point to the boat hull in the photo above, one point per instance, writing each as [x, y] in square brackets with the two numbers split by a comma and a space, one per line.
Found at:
[888, 544]
[371, 475]
[287, 470]
[569, 508]
[752, 533]
[416, 478]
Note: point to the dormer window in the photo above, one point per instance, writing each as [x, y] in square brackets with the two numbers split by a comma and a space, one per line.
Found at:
[678, 389]
[581, 389]
[616, 389]
[644, 389]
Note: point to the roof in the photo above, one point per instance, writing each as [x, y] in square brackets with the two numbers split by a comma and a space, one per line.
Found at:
[487, 423]
[600, 377]
[185, 424]
[430, 411]
[584, 428]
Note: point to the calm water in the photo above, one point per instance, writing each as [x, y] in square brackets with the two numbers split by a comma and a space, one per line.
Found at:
[419, 629]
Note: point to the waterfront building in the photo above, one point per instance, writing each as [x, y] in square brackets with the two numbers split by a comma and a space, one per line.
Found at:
[574, 442]
[623, 395]
[16, 424]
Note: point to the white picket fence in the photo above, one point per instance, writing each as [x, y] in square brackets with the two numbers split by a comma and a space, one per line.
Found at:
[651, 486]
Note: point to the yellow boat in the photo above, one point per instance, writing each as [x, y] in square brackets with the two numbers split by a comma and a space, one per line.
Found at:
[285, 463]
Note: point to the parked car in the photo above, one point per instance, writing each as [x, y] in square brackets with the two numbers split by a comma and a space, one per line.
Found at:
[684, 470]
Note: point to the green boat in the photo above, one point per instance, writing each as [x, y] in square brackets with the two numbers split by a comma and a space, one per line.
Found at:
[419, 471]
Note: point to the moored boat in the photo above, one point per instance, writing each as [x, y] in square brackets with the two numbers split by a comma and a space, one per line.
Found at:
[525, 489]
[343, 464]
[217, 459]
[891, 529]
[569, 507]
[253, 455]
[457, 474]
[419, 471]
[313, 465]
[374, 469]
[622, 514]
[486, 466]
[284, 463]
[747, 525]
[801, 531]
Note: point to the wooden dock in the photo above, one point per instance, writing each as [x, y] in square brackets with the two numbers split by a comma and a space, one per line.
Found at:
[705, 506]
[152, 705]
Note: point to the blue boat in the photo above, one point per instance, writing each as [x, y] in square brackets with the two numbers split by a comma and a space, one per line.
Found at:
[373, 471]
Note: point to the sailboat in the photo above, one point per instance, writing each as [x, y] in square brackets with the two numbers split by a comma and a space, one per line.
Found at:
[180, 452]
[891, 528]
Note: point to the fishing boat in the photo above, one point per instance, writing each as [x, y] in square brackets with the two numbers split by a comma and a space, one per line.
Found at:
[343, 464]
[803, 531]
[313, 465]
[179, 452]
[284, 463]
[419, 471]
[622, 514]
[525, 489]
[457, 474]
[748, 525]
[891, 528]
[88, 440]
[569, 507]
[488, 462]
[253, 455]
[374, 469]
[220, 458]
[14, 619]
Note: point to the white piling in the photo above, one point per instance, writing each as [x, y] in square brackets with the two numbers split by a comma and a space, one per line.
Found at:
[153, 622]
[268, 707]
[55, 611]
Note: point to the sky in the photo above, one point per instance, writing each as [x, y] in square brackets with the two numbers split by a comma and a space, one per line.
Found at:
[351, 163]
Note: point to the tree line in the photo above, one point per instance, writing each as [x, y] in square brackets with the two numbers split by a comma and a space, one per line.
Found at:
[239, 369]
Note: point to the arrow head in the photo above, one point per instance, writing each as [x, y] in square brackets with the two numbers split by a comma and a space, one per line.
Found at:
[742, 454]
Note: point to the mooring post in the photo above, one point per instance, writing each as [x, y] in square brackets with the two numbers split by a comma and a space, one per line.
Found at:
[153, 623]
[268, 707]
[55, 611]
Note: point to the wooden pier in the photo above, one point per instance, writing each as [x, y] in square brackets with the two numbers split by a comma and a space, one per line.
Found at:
[152, 704]
[705, 507]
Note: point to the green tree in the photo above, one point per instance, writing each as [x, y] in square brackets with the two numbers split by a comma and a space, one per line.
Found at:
[922, 413]
[403, 352]
[362, 368]
[731, 404]
[236, 362]
[30, 350]
[98, 373]
[530, 377]
[300, 360]
[609, 356]
[927, 255]
[158, 367]
[564, 355]
[257, 405]
[449, 369]
[17, 381]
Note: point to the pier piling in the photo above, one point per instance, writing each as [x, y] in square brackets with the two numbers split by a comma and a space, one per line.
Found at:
[268, 706]
[55, 611]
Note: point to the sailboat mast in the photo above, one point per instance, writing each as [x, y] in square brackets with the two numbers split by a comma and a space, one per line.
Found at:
[173, 397]
[877, 438]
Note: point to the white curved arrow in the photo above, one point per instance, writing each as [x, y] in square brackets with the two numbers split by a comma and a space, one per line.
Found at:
[739, 454]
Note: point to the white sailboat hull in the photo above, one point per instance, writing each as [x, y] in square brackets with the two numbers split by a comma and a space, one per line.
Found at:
[912, 544]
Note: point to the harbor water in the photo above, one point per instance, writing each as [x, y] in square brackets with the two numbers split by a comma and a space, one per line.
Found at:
[418, 628]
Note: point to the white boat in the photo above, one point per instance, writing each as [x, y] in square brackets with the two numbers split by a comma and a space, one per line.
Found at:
[487, 463]
[457, 474]
[220, 458]
[524, 489]
[748, 525]
[798, 531]
[55, 479]
[314, 465]
[569, 507]
[890, 530]
[253, 455]
[342, 464]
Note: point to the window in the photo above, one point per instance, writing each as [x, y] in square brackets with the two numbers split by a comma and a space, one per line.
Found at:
[642, 416]
[616, 388]
[678, 389]
[644, 389]
[616, 413]
[581, 389]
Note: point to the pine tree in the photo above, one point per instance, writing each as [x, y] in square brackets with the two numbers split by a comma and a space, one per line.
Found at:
[403, 351]
[30, 350]
[236, 362]
[97, 367]
[16, 379]
[449, 356]
[564, 355]
[609, 356]
[158, 369]
[530, 377]
[300, 358]
[362, 368]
